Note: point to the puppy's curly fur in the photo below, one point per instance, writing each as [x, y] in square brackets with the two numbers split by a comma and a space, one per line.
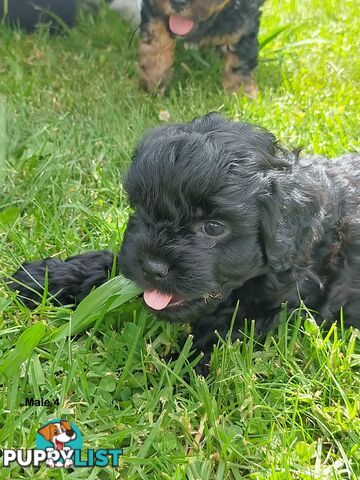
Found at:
[223, 213]
[231, 25]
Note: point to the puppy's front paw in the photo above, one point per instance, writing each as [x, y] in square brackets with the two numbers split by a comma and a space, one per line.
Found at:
[250, 88]
[150, 81]
[50, 463]
[235, 82]
[203, 365]
[202, 368]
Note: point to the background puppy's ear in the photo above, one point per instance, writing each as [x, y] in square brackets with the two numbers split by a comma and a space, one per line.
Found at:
[289, 215]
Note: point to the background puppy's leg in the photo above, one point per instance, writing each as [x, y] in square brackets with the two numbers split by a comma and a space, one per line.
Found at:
[240, 60]
[68, 281]
[156, 56]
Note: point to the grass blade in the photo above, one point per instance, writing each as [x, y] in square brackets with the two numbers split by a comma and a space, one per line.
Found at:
[3, 144]
[23, 350]
[273, 35]
[106, 298]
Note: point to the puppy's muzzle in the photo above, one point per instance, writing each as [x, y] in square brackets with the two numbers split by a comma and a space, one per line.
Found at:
[154, 270]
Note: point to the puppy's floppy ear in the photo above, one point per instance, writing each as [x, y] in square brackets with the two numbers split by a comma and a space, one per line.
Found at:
[271, 214]
[66, 424]
[47, 431]
[289, 218]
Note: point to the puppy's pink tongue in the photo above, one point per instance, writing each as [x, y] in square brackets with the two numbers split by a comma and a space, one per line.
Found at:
[156, 299]
[180, 25]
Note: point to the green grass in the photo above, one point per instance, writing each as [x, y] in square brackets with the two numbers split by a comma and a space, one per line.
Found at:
[73, 113]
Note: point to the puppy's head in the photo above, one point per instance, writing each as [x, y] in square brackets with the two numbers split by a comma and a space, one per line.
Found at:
[185, 15]
[58, 433]
[206, 210]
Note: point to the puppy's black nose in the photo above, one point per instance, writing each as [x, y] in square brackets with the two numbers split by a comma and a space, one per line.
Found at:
[154, 269]
[179, 4]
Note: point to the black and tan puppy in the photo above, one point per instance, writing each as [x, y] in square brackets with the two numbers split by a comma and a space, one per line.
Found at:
[223, 214]
[231, 25]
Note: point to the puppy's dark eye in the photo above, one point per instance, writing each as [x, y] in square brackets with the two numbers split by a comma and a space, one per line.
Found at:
[213, 229]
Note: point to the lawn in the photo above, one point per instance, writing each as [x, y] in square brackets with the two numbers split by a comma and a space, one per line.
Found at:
[70, 115]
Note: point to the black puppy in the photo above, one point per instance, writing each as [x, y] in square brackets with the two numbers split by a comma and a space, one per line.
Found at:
[222, 213]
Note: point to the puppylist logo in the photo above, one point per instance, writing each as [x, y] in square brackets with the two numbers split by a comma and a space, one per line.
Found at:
[59, 445]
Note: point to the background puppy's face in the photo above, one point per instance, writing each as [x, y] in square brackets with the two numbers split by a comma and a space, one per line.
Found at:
[196, 234]
[196, 10]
